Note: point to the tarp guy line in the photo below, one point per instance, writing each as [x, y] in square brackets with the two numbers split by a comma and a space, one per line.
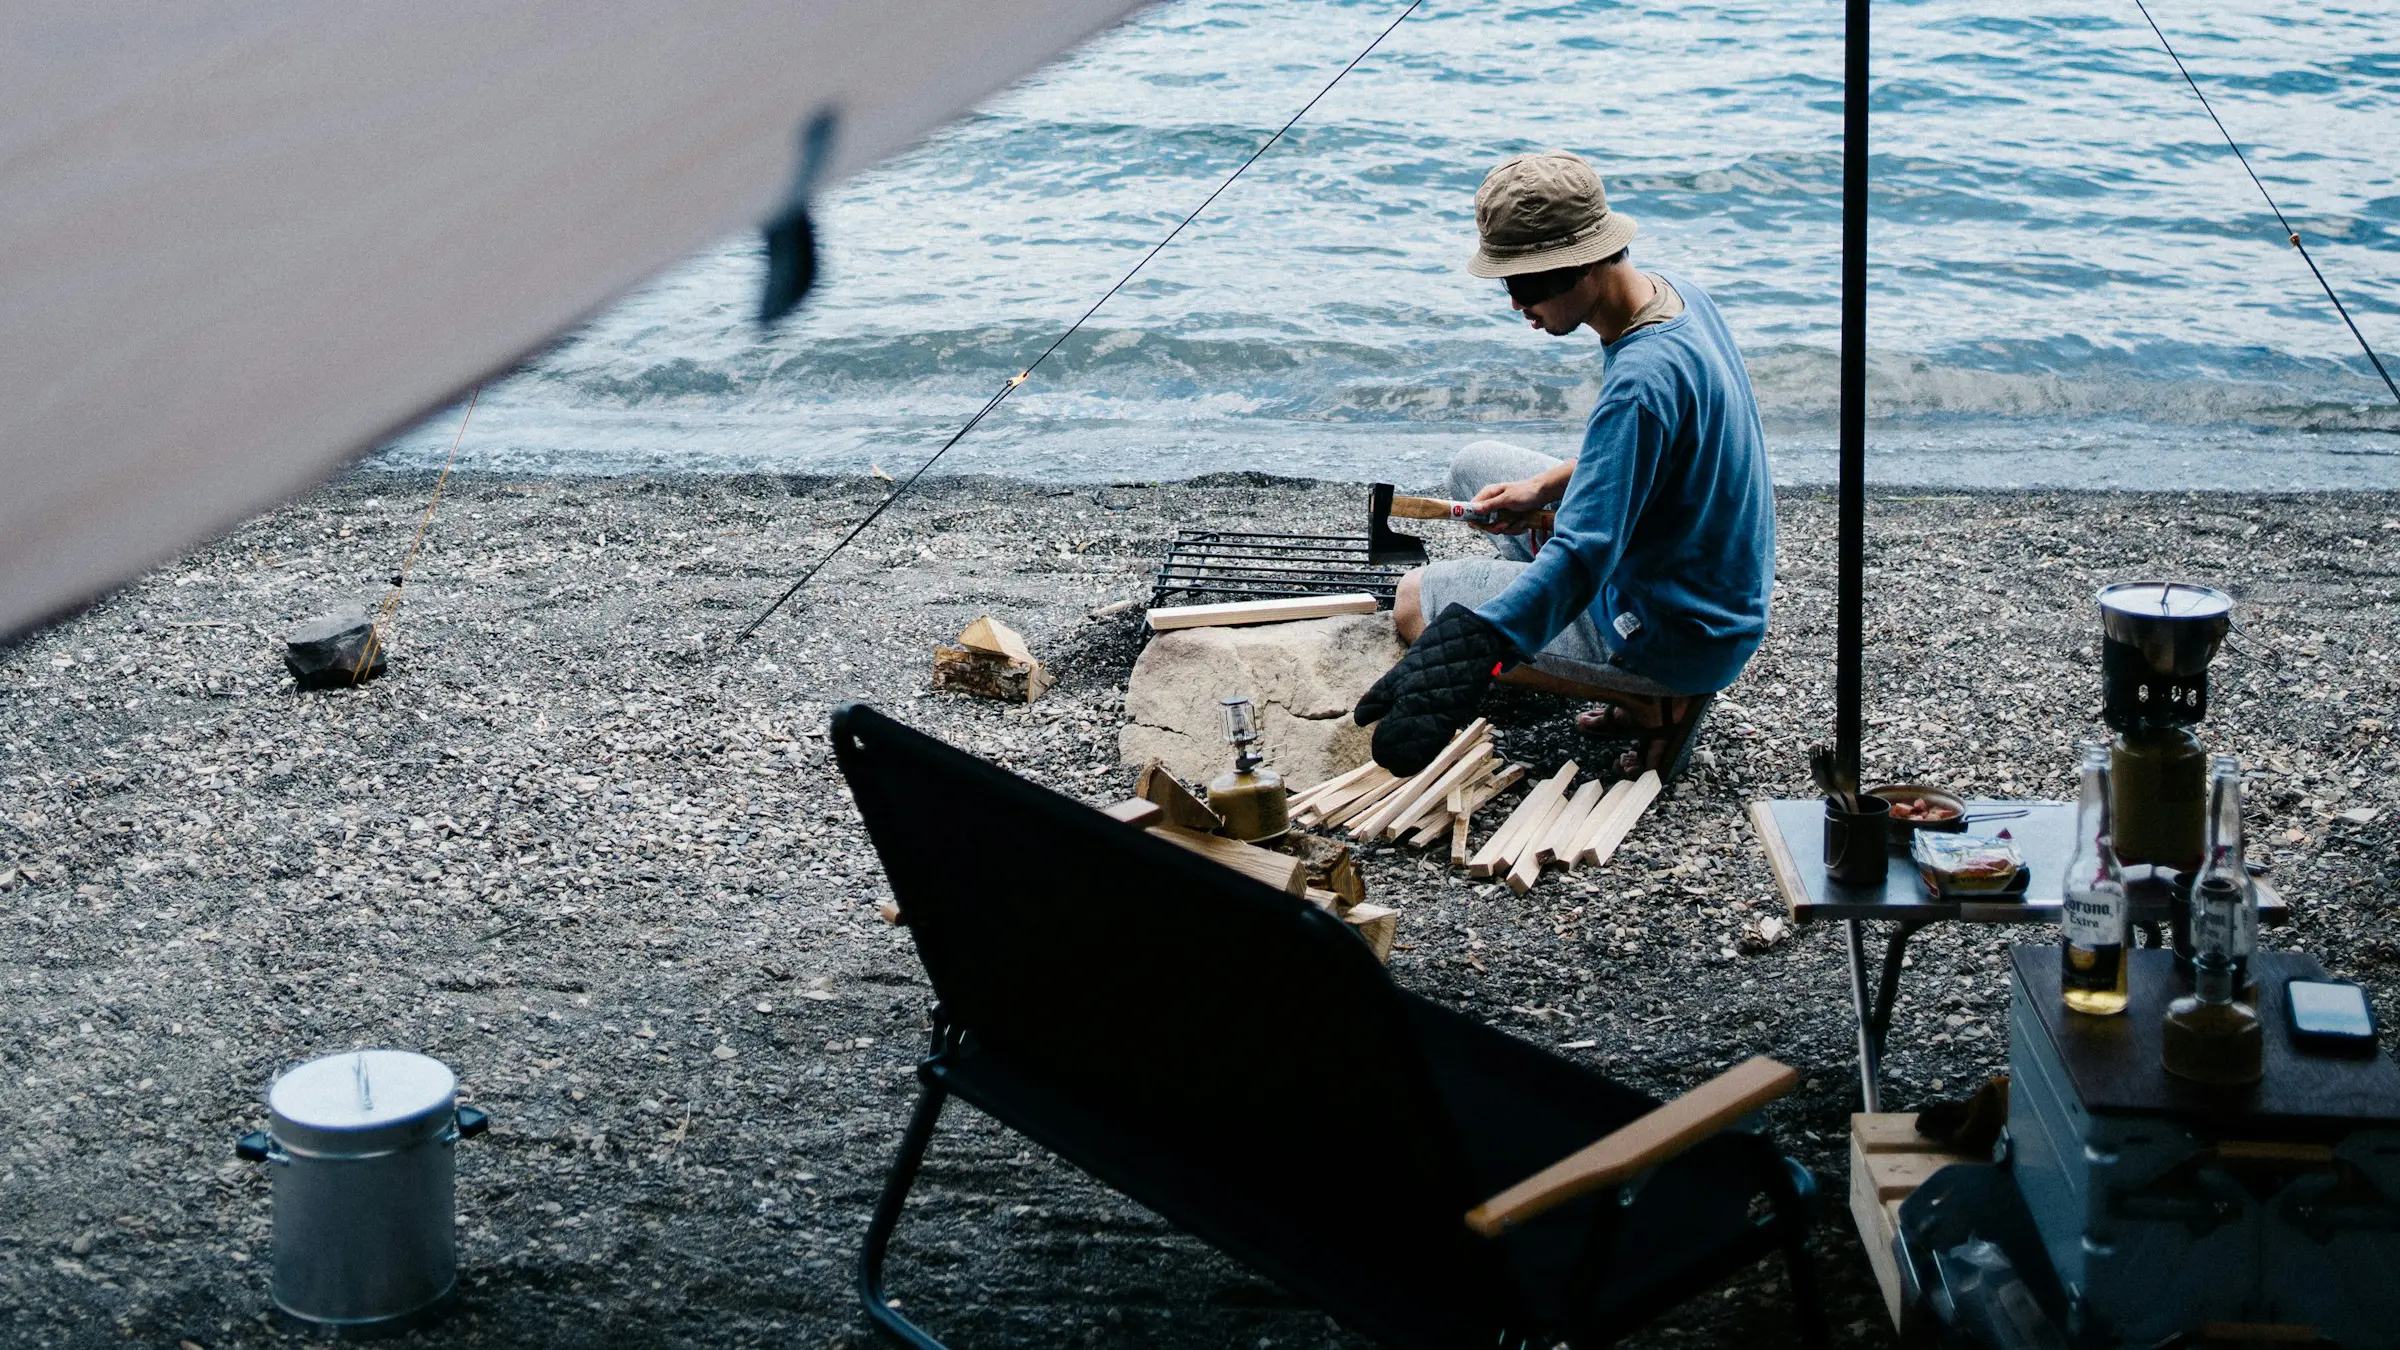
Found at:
[2289, 232]
[1019, 378]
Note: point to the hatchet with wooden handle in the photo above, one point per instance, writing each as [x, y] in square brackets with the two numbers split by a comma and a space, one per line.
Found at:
[1441, 508]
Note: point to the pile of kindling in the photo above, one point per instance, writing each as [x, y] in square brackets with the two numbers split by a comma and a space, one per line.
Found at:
[1556, 823]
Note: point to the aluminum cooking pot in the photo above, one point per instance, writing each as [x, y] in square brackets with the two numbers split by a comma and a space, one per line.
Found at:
[359, 1145]
[2175, 625]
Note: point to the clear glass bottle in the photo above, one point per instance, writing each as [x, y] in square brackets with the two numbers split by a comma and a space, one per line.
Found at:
[2224, 862]
[2210, 1036]
[2093, 924]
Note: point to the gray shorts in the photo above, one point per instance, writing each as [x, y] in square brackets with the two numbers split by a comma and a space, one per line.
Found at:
[1577, 654]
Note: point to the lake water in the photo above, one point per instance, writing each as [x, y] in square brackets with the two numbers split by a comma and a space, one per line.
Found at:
[2071, 280]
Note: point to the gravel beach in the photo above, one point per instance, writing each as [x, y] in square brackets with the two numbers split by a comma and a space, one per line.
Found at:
[597, 859]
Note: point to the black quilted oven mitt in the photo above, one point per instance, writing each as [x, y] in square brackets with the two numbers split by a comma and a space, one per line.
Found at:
[1423, 701]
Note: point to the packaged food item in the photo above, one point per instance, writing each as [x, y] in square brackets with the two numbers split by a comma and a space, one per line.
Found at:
[1966, 864]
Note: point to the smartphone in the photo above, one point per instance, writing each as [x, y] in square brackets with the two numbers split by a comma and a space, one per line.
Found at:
[2329, 1017]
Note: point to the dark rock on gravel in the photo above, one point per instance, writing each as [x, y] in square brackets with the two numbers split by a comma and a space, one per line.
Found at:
[588, 845]
[332, 650]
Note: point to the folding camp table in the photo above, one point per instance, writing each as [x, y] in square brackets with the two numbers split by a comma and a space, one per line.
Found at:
[1793, 834]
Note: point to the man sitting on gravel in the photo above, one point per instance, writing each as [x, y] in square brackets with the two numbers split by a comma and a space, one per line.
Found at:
[1650, 592]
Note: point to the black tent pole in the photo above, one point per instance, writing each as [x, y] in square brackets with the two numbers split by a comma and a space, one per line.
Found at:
[1849, 624]
[1849, 629]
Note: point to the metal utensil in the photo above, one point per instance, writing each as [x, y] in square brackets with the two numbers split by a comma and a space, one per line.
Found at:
[1828, 776]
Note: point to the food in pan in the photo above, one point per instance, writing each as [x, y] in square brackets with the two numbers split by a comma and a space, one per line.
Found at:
[1965, 864]
[1923, 811]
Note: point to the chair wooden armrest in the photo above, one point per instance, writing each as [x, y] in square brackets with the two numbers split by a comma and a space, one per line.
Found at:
[1639, 1145]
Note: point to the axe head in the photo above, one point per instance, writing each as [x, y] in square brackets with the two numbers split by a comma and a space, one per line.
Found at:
[1384, 544]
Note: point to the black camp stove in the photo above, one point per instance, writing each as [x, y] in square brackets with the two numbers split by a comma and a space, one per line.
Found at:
[1208, 567]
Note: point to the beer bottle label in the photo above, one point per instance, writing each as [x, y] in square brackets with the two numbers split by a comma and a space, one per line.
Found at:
[2090, 919]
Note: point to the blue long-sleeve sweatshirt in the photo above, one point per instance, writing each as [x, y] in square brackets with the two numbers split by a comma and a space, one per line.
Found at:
[1667, 529]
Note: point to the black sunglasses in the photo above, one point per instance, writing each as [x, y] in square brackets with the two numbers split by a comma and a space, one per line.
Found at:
[1532, 288]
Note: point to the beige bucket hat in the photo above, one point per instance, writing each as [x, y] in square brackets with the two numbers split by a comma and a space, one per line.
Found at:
[1537, 213]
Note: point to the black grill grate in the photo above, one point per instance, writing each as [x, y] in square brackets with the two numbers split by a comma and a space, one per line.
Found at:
[1206, 567]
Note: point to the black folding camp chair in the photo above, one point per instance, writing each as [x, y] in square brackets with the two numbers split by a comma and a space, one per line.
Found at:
[1226, 1054]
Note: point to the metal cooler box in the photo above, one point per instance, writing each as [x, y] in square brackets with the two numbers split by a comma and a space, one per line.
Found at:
[2165, 1206]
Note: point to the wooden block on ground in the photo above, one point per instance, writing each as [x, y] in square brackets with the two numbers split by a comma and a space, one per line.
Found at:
[1400, 803]
[1135, 812]
[1182, 808]
[1570, 822]
[1279, 870]
[1333, 799]
[1365, 801]
[1628, 813]
[1500, 853]
[1598, 820]
[964, 671]
[1888, 1161]
[1461, 821]
[1528, 867]
[1376, 925]
[994, 638]
[1433, 792]
[1259, 611]
[1311, 793]
[1432, 828]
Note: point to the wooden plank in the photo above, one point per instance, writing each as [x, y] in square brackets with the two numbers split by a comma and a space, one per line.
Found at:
[1279, 870]
[1499, 855]
[1481, 794]
[1598, 820]
[994, 638]
[1620, 823]
[1171, 617]
[1415, 786]
[1888, 1161]
[1528, 867]
[1338, 798]
[1475, 764]
[1461, 822]
[1135, 812]
[1888, 1132]
[1339, 780]
[1570, 822]
[1365, 801]
[1155, 784]
[1434, 827]
[1640, 1145]
[1876, 1232]
[1779, 860]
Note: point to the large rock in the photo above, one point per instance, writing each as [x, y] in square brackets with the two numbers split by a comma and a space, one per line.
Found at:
[1305, 677]
[324, 652]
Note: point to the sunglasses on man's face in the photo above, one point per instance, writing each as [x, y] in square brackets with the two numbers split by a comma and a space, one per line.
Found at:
[1532, 288]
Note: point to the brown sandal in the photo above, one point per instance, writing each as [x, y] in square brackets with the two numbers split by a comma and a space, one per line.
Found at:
[1615, 722]
[1667, 748]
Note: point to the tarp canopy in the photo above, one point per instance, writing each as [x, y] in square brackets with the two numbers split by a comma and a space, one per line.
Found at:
[243, 240]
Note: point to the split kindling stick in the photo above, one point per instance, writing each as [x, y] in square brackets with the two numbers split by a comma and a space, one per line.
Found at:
[1570, 822]
[1406, 798]
[1628, 814]
[1432, 797]
[1528, 868]
[1502, 850]
[1305, 796]
[1598, 821]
